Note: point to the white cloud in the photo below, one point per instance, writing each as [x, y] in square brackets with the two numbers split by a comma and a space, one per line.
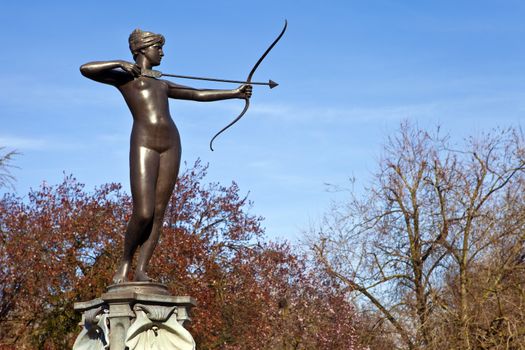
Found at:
[22, 143]
[23, 91]
[465, 107]
[261, 164]
[329, 115]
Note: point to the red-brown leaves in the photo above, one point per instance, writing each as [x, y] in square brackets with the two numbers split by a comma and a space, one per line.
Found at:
[61, 245]
[49, 245]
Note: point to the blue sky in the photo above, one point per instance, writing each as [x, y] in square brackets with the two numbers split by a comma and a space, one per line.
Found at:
[349, 73]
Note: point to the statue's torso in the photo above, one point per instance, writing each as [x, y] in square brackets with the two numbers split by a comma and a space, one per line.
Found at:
[147, 99]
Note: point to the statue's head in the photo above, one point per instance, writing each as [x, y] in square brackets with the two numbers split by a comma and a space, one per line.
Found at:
[140, 41]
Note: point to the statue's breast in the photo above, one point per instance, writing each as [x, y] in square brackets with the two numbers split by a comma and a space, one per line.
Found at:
[149, 88]
[143, 83]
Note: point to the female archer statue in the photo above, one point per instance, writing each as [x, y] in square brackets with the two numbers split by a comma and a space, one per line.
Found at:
[155, 150]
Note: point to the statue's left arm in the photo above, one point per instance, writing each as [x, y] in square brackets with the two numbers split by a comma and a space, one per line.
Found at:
[206, 95]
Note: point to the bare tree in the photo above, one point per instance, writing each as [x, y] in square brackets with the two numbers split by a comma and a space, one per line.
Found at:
[6, 178]
[430, 213]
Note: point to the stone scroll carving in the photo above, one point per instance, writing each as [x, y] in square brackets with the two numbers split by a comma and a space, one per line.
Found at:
[95, 332]
[157, 328]
[135, 316]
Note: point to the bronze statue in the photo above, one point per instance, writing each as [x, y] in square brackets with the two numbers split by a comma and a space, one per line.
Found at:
[155, 150]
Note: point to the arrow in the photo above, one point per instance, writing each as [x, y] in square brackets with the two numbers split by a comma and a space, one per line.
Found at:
[156, 74]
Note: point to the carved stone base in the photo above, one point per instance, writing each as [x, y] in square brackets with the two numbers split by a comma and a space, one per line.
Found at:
[135, 315]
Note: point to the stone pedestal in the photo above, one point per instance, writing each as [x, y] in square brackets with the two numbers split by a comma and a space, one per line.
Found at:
[135, 315]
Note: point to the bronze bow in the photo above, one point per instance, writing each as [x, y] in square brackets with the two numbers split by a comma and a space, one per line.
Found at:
[248, 80]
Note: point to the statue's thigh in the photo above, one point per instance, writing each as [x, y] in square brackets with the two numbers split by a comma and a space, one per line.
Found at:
[144, 170]
[168, 172]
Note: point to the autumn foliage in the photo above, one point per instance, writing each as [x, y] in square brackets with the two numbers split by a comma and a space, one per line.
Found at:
[61, 244]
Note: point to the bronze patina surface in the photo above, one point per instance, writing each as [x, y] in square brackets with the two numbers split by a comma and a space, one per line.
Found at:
[155, 148]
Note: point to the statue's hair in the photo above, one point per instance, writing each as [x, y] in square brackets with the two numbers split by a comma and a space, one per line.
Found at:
[139, 39]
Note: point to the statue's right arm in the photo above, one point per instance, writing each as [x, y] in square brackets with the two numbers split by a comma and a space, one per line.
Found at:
[107, 72]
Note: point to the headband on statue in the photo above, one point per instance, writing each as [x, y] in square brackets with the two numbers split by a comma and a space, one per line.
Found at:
[139, 39]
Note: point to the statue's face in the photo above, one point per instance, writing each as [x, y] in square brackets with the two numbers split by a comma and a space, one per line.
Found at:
[154, 54]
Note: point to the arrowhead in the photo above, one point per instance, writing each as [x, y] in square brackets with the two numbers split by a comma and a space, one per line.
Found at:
[272, 84]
